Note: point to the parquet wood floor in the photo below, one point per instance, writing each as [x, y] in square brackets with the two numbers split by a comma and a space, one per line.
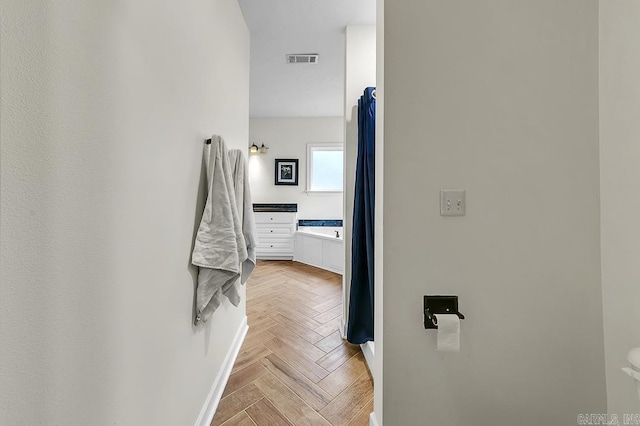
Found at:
[294, 368]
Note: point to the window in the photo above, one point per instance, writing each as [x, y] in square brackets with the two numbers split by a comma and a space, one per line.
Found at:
[325, 167]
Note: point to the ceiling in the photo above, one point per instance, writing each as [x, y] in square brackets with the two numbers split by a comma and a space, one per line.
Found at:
[279, 27]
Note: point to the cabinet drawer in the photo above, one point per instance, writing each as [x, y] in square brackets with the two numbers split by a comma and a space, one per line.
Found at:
[276, 230]
[275, 217]
[271, 246]
[271, 239]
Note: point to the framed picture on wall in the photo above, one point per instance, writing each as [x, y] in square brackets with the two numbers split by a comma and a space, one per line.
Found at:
[286, 171]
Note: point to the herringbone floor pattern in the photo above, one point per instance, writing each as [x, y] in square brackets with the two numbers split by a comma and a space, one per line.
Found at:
[293, 368]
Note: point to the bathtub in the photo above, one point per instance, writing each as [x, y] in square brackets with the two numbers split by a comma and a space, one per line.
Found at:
[318, 246]
[322, 231]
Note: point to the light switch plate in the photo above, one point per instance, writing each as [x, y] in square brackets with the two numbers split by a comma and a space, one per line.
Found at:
[452, 202]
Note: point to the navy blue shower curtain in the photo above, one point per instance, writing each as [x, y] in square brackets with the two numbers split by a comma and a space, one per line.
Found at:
[360, 323]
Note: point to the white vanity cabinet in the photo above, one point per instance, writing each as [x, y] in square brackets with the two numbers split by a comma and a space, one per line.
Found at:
[275, 235]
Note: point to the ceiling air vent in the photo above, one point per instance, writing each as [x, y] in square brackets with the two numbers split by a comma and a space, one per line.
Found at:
[302, 58]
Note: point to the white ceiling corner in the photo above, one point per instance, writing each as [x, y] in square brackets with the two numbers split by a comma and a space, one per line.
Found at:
[279, 27]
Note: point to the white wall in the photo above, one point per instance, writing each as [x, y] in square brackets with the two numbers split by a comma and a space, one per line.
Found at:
[105, 107]
[620, 186]
[288, 138]
[501, 101]
[378, 383]
[360, 73]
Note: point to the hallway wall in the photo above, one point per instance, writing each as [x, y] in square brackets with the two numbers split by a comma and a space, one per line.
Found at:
[105, 107]
[502, 100]
[620, 186]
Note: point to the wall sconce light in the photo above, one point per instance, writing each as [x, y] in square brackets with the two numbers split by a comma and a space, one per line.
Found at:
[255, 149]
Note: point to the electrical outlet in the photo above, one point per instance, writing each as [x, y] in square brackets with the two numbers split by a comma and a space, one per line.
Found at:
[452, 202]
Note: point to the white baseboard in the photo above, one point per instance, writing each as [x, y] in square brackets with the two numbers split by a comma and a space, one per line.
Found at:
[372, 420]
[369, 354]
[215, 394]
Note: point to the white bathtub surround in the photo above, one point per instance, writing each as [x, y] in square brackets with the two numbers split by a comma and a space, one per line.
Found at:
[320, 247]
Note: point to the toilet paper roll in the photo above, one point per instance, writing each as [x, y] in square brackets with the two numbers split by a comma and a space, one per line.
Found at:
[448, 332]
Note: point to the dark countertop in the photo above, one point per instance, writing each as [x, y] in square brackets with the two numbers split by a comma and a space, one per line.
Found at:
[320, 222]
[275, 207]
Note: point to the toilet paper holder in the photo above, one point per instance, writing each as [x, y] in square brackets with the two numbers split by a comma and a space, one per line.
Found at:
[434, 305]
